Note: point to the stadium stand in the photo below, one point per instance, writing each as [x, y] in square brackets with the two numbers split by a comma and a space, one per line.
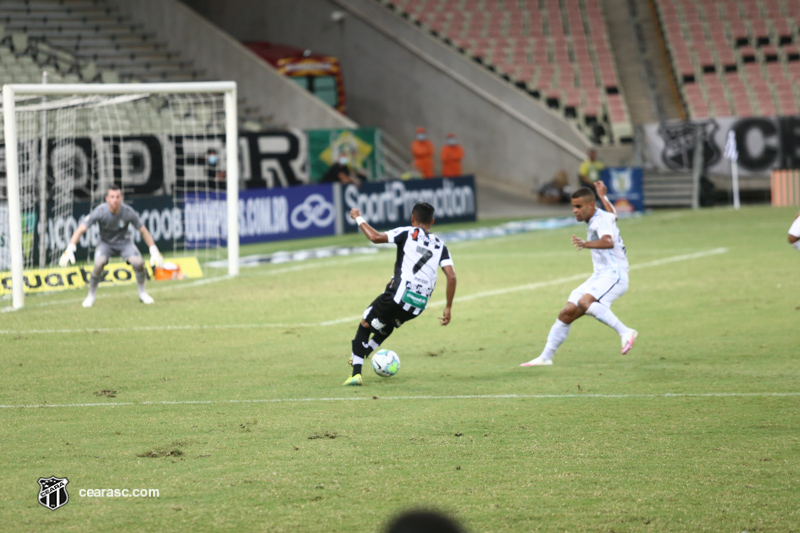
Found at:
[734, 57]
[89, 41]
[96, 34]
[556, 50]
[23, 61]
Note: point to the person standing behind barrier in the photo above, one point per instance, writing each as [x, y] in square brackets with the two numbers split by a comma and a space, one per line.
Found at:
[423, 151]
[452, 153]
[214, 171]
[589, 172]
[340, 172]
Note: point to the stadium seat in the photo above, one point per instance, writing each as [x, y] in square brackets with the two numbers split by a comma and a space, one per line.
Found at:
[109, 76]
[749, 45]
[20, 43]
[558, 50]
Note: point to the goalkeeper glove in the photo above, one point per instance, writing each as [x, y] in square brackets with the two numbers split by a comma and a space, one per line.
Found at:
[155, 257]
[68, 257]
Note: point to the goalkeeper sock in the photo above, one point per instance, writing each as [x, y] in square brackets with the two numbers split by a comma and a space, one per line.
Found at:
[140, 278]
[358, 362]
[607, 317]
[94, 281]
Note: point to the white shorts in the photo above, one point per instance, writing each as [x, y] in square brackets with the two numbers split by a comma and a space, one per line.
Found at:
[605, 288]
[795, 229]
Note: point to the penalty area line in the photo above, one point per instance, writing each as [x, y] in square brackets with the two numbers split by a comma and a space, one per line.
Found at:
[665, 395]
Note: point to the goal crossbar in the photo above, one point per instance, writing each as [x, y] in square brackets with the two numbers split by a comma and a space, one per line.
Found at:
[11, 91]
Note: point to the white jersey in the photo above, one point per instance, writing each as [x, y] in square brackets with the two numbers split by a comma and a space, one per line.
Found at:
[611, 261]
[419, 254]
[794, 229]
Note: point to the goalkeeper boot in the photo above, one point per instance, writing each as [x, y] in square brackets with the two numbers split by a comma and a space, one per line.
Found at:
[354, 381]
[628, 339]
[146, 298]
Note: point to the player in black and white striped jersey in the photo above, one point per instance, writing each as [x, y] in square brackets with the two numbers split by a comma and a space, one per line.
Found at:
[419, 254]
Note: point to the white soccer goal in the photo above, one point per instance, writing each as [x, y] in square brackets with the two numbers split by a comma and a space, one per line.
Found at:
[67, 143]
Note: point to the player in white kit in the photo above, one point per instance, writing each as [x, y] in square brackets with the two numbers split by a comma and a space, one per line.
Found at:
[419, 254]
[794, 233]
[113, 218]
[608, 282]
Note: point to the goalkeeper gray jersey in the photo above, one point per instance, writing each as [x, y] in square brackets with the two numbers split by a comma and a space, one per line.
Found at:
[113, 228]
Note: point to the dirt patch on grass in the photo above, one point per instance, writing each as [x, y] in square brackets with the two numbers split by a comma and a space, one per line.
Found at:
[174, 450]
[326, 435]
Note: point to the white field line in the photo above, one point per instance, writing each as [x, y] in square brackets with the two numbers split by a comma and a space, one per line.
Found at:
[154, 328]
[414, 398]
[439, 303]
[127, 294]
[558, 281]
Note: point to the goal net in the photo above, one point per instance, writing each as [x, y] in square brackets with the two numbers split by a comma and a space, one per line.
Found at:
[171, 147]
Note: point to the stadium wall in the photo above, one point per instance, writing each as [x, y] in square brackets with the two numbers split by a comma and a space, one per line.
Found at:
[224, 58]
[398, 77]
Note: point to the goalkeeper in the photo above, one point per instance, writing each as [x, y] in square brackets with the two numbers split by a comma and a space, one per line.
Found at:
[113, 218]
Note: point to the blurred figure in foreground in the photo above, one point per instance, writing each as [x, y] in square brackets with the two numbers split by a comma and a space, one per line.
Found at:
[417, 521]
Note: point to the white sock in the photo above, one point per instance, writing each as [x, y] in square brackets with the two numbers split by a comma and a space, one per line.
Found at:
[556, 337]
[357, 360]
[796, 245]
[374, 345]
[607, 317]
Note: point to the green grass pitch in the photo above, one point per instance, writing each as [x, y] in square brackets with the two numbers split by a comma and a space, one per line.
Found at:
[227, 396]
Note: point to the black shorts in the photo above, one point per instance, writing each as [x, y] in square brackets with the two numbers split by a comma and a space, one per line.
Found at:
[384, 314]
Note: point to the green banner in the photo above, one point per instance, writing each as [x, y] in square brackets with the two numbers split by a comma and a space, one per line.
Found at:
[361, 146]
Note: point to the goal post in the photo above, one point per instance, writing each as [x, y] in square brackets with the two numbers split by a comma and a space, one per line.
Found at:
[22, 159]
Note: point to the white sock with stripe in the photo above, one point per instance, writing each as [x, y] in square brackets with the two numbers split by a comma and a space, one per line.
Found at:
[607, 317]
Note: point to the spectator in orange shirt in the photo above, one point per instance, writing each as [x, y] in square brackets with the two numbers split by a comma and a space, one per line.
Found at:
[452, 154]
[423, 151]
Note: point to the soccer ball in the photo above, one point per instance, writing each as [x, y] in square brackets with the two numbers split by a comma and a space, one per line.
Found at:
[385, 363]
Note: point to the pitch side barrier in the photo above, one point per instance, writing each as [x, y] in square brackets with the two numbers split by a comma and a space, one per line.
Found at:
[763, 144]
[265, 215]
[388, 204]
